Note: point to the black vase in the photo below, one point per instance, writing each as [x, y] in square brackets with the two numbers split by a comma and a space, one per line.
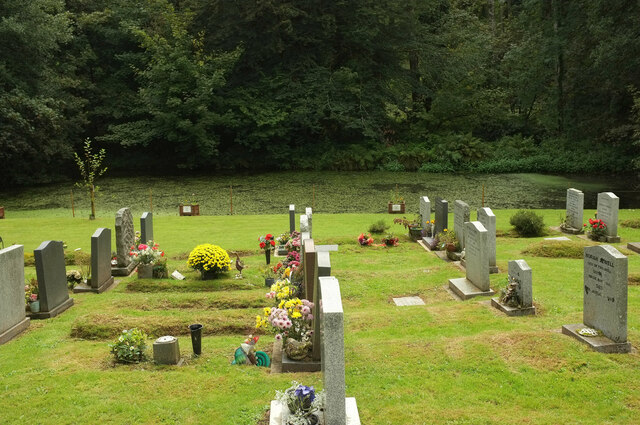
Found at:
[267, 254]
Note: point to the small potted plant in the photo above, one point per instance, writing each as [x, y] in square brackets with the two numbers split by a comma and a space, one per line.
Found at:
[190, 206]
[269, 276]
[414, 227]
[210, 260]
[31, 295]
[267, 243]
[390, 240]
[282, 243]
[304, 406]
[146, 256]
[396, 203]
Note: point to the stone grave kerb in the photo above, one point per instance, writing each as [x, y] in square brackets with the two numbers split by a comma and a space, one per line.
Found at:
[52, 280]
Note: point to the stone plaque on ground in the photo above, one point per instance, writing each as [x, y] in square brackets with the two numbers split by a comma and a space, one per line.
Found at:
[13, 318]
[146, 227]
[608, 204]
[488, 220]
[605, 299]
[575, 212]
[559, 238]
[520, 273]
[425, 211]
[309, 213]
[101, 278]
[634, 246]
[442, 215]
[52, 280]
[125, 239]
[292, 218]
[326, 248]
[323, 269]
[406, 301]
[477, 264]
[461, 215]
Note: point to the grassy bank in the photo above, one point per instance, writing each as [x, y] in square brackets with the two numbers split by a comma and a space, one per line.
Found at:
[448, 362]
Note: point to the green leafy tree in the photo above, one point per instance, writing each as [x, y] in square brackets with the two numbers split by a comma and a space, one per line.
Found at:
[90, 167]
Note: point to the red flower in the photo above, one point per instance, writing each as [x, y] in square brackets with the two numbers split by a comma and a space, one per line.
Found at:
[162, 254]
[585, 225]
[590, 221]
[601, 226]
[269, 236]
[273, 243]
[262, 245]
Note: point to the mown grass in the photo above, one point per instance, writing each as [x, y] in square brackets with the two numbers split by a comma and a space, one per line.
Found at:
[448, 362]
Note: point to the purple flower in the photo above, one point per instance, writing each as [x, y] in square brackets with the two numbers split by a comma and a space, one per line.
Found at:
[305, 394]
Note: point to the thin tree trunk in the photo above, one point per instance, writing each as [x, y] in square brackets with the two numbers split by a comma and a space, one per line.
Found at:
[93, 203]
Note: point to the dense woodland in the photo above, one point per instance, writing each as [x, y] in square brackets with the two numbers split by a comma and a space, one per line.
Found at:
[169, 86]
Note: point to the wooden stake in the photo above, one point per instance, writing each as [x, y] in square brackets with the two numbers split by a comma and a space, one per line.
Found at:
[73, 209]
[150, 200]
[231, 198]
[482, 195]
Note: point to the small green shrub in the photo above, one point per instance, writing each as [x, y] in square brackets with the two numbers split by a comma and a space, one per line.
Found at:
[634, 223]
[130, 346]
[527, 223]
[378, 227]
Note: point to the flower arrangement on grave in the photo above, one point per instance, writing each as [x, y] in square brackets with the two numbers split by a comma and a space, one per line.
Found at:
[283, 238]
[291, 320]
[293, 244]
[148, 253]
[130, 346]
[408, 224]
[365, 240]
[304, 404]
[509, 295]
[267, 242]
[292, 257]
[281, 290]
[429, 228]
[596, 229]
[31, 291]
[448, 240]
[209, 259]
[390, 240]
[74, 277]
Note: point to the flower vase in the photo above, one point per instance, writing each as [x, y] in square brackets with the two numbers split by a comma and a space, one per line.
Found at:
[268, 281]
[297, 350]
[145, 271]
[34, 306]
[267, 254]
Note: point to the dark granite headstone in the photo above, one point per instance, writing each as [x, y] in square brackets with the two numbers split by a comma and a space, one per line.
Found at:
[101, 278]
[309, 265]
[146, 227]
[52, 280]
[292, 218]
[13, 319]
[442, 215]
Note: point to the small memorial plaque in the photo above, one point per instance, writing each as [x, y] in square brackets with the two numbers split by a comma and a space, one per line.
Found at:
[395, 207]
[186, 209]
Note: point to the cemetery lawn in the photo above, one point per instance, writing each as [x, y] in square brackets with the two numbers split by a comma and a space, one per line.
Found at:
[447, 362]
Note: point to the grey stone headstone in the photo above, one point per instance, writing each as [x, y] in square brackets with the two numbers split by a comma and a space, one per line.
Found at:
[488, 220]
[608, 204]
[575, 208]
[146, 227]
[52, 276]
[292, 218]
[425, 211]
[304, 224]
[13, 318]
[333, 376]
[520, 272]
[476, 258]
[309, 213]
[461, 215]
[323, 269]
[605, 291]
[125, 236]
[442, 215]
[101, 258]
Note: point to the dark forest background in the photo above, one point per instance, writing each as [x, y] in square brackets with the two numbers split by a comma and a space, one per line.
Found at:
[227, 86]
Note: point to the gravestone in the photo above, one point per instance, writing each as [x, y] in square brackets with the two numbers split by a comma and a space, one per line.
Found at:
[13, 319]
[442, 215]
[520, 273]
[309, 213]
[146, 227]
[575, 212]
[477, 280]
[125, 239]
[292, 218]
[304, 227]
[461, 215]
[52, 280]
[605, 300]
[323, 269]
[309, 264]
[425, 211]
[488, 220]
[101, 279]
[608, 204]
[338, 409]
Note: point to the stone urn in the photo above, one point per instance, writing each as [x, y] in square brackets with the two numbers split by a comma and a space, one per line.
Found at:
[297, 350]
[145, 271]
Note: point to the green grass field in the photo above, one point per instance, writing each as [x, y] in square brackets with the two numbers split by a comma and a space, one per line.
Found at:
[448, 362]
